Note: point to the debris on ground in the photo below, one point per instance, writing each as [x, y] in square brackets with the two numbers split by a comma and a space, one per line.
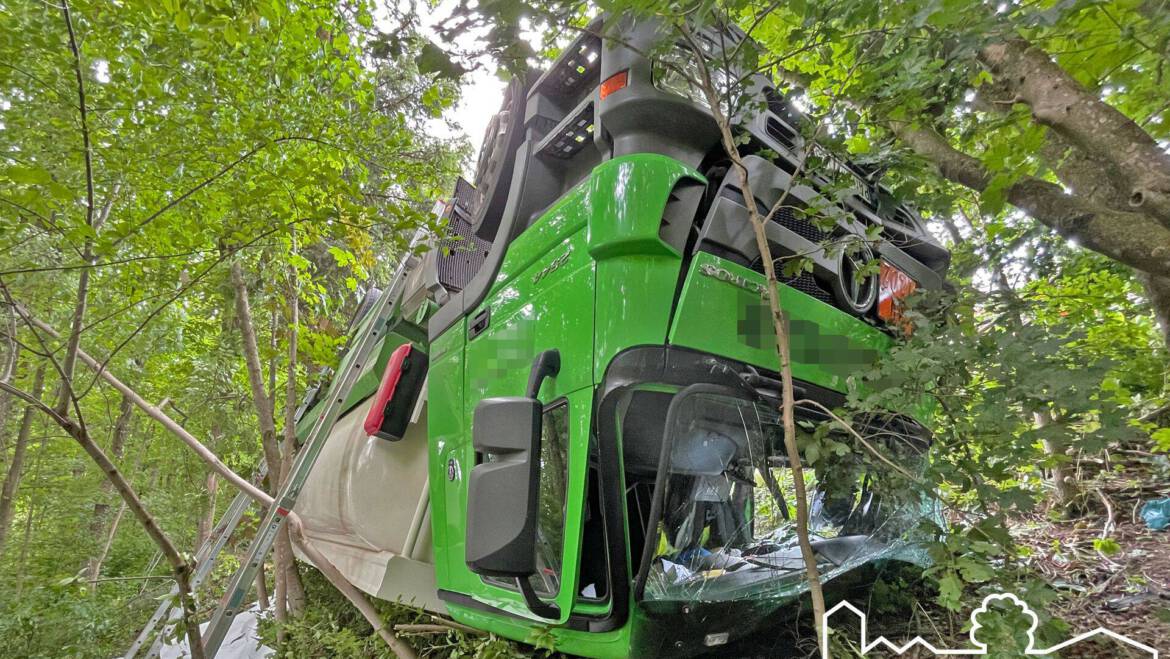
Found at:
[1156, 514]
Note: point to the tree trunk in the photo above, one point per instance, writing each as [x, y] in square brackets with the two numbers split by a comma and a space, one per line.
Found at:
[207, 520]
[101, 509]
[6, 408]
[1064, 488]
[1158, 294]
[22, 562]
[95, 566]
[261, 590]
[287, 580]
[295, 593]
[16, 466]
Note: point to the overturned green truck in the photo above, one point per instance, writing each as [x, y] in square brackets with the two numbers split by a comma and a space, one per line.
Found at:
[571, 428]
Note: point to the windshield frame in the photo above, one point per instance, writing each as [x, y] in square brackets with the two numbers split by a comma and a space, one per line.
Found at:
[704, 375]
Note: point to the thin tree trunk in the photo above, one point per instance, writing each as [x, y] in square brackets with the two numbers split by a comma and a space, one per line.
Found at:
[6, 406]
[180, 567]
[74, 342]
[207, 520]
[1158, 294]
[101, 509]
[262, 590]
[256, 376]
[1064, 488]
[780, 326]
[295, 593]
[274, 349]
[95, 567]
[16, 466]
[287, 580]
[22, 562]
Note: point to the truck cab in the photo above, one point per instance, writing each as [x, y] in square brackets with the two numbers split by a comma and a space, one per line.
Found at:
[588, 447]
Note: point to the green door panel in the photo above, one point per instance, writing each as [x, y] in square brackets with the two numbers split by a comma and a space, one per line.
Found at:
[722, 311]
[548, 304]
[447, 438]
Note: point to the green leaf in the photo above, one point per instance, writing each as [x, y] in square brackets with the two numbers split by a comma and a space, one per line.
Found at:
[433, 59]
[974, 571]
[858, 143]
[950, 591]
[1107, 546]
[1161, 438]
[28, 174]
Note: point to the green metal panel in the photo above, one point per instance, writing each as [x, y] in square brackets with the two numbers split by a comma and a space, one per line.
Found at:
[636, 271]
[625, 198]
[603, 645]
[722, 311]
[447, 440]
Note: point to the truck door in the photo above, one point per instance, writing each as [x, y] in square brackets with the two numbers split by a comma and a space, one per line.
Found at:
[546, 305]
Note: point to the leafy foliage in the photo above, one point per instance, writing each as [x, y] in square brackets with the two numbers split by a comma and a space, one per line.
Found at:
[286, 136]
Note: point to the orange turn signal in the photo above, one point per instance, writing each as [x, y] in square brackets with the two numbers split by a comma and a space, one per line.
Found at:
[614, 83]
[893, 287]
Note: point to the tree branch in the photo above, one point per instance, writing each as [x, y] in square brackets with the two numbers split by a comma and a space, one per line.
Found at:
[1058, 101]
[74, 341]
[215, 177]
[1130, 238]
[180, 566]
[780, 326]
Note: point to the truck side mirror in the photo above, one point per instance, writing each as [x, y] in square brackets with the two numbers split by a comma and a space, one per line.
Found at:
[502, 490]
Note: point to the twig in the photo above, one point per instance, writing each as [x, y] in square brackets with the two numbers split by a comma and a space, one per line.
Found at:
[145, 577]
[437, 628]
[848, 427]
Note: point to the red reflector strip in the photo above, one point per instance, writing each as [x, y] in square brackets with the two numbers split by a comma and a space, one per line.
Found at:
[893, 287]
[283, 512]
[614, 83]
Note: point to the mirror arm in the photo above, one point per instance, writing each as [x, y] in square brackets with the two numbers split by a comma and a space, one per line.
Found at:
[546, 365]
[535, 604]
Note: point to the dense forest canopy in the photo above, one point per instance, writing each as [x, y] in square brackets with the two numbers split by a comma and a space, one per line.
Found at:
[198, 194]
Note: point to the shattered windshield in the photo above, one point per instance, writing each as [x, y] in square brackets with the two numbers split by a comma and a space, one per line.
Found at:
[726, 528]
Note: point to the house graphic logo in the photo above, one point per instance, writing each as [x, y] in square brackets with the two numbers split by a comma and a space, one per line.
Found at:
[979, 648]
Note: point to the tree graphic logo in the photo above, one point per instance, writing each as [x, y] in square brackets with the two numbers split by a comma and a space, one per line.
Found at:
[978, 647]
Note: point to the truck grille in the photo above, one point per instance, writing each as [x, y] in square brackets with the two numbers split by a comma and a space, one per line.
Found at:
[807, 284]
[794, 219]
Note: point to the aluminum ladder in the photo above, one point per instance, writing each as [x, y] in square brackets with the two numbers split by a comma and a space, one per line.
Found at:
[368, 337]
